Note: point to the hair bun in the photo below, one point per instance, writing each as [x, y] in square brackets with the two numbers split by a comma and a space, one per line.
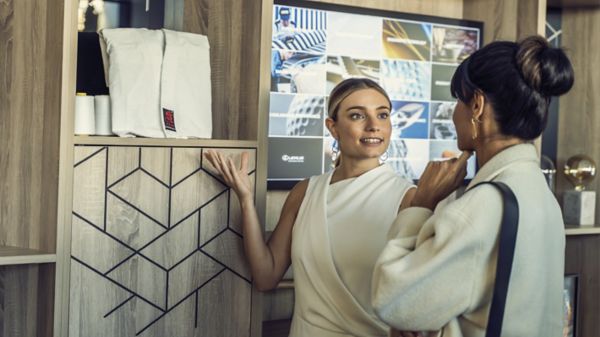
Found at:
[545, 69]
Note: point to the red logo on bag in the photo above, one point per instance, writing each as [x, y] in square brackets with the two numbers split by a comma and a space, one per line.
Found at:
[169, 118]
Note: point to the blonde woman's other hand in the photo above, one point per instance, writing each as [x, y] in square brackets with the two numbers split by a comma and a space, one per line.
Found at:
[234, 177]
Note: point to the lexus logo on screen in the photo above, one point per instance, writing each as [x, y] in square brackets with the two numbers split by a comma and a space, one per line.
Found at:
[292, 159]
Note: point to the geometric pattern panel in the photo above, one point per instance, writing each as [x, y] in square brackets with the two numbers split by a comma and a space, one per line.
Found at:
[88, 240]
[145, 193]
[128, 225]
[192, 193]
[177, 243]
[157, 245]
[90, 193]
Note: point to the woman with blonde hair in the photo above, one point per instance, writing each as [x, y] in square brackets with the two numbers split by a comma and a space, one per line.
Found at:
[333, 226]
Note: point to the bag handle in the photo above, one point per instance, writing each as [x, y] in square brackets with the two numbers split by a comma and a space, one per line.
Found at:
[506, 252]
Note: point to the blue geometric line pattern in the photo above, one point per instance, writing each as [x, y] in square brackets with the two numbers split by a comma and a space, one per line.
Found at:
[145, 196]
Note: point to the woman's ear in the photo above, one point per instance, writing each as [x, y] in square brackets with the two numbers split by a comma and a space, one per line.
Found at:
[332, 127]
[477, 105]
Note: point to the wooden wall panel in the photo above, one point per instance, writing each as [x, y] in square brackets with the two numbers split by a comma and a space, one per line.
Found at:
[233, 30]
[578, 125]
[29, 121]
[507, 19]
[250, 73]
[24, 301]
[156, 250]
[499, 17]
[583, 258]
[579, 111]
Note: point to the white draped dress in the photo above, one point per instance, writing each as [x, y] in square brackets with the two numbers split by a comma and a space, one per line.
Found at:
[338, 235]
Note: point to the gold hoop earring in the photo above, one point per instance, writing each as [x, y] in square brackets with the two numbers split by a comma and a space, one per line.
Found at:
[474, 127]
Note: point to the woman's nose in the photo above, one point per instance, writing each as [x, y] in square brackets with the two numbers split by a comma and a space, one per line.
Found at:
[373, 125]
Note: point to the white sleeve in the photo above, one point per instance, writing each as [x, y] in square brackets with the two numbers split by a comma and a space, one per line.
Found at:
[425, 275]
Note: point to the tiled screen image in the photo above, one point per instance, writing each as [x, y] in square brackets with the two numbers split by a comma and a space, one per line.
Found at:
[315, 46]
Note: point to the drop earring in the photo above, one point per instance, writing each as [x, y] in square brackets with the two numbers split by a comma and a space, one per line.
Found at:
[474, 128]
[334, 151]
[384, 156]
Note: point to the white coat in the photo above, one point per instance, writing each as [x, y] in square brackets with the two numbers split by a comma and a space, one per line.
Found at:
[437, 272]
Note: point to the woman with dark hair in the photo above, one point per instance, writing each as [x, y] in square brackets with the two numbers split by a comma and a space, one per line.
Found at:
[333, 226]
[437, 273]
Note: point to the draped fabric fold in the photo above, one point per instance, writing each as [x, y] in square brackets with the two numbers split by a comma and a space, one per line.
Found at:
[325, 304]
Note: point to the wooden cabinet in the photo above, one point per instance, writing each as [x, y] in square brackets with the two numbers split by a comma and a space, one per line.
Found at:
[156, 244]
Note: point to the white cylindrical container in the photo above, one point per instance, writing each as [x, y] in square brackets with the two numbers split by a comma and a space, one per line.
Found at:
[85, 123]
[102, 107]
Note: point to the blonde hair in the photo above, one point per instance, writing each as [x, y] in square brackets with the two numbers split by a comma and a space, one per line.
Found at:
[344, 89]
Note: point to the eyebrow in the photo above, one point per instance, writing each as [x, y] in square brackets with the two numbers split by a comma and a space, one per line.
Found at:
[360, 107]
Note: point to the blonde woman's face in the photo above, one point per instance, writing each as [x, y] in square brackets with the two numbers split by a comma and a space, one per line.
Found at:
[363, 127]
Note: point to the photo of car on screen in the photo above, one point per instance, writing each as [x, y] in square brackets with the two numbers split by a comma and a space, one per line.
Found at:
[410, 119]
[297, 72]
[340, 68]
[410, 80]
[298, 51]
[406, 40]
[453, 45]
[408, 157]
[296, 115]
[441, 126]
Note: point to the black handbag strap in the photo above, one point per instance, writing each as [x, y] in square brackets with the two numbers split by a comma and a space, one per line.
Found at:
[506, 252]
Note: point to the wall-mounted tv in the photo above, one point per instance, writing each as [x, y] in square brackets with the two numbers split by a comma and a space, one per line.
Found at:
[316, 45]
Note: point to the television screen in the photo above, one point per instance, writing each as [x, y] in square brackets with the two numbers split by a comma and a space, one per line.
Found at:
[316, 45]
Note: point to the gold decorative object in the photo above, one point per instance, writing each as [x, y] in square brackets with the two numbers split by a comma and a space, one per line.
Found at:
[580, 169]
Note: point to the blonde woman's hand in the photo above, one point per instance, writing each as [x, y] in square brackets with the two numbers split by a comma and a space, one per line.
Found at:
[439, 179]
[236, 178]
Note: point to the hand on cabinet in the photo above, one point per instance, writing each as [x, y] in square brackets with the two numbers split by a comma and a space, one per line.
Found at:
[236, 178]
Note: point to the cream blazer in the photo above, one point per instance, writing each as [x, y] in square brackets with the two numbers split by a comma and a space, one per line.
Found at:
[437, 272]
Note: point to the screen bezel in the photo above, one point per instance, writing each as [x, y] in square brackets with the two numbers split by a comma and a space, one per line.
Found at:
[286, 184]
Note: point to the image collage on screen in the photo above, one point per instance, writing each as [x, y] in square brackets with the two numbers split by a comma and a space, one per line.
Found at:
[313, 50]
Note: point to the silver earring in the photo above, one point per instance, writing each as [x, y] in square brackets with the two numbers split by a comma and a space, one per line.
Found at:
[334, 150]
[384, 156]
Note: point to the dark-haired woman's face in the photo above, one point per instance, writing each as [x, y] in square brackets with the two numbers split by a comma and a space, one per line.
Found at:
[363, 127]
[462, 122]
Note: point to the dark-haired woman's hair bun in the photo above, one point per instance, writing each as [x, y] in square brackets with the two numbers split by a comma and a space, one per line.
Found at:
[545, 68]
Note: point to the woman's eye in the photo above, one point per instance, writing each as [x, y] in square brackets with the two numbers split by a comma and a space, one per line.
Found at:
[384, 115]
[355, 116]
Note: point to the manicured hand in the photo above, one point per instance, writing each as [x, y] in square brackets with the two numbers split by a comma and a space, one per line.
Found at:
[439, 179]
[235, 178]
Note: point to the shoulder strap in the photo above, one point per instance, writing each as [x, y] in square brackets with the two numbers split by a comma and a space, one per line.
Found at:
[506, 252]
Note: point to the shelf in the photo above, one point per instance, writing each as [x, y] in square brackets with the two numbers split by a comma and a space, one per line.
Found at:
[140, 141]
[582, 230]
[16, 256]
